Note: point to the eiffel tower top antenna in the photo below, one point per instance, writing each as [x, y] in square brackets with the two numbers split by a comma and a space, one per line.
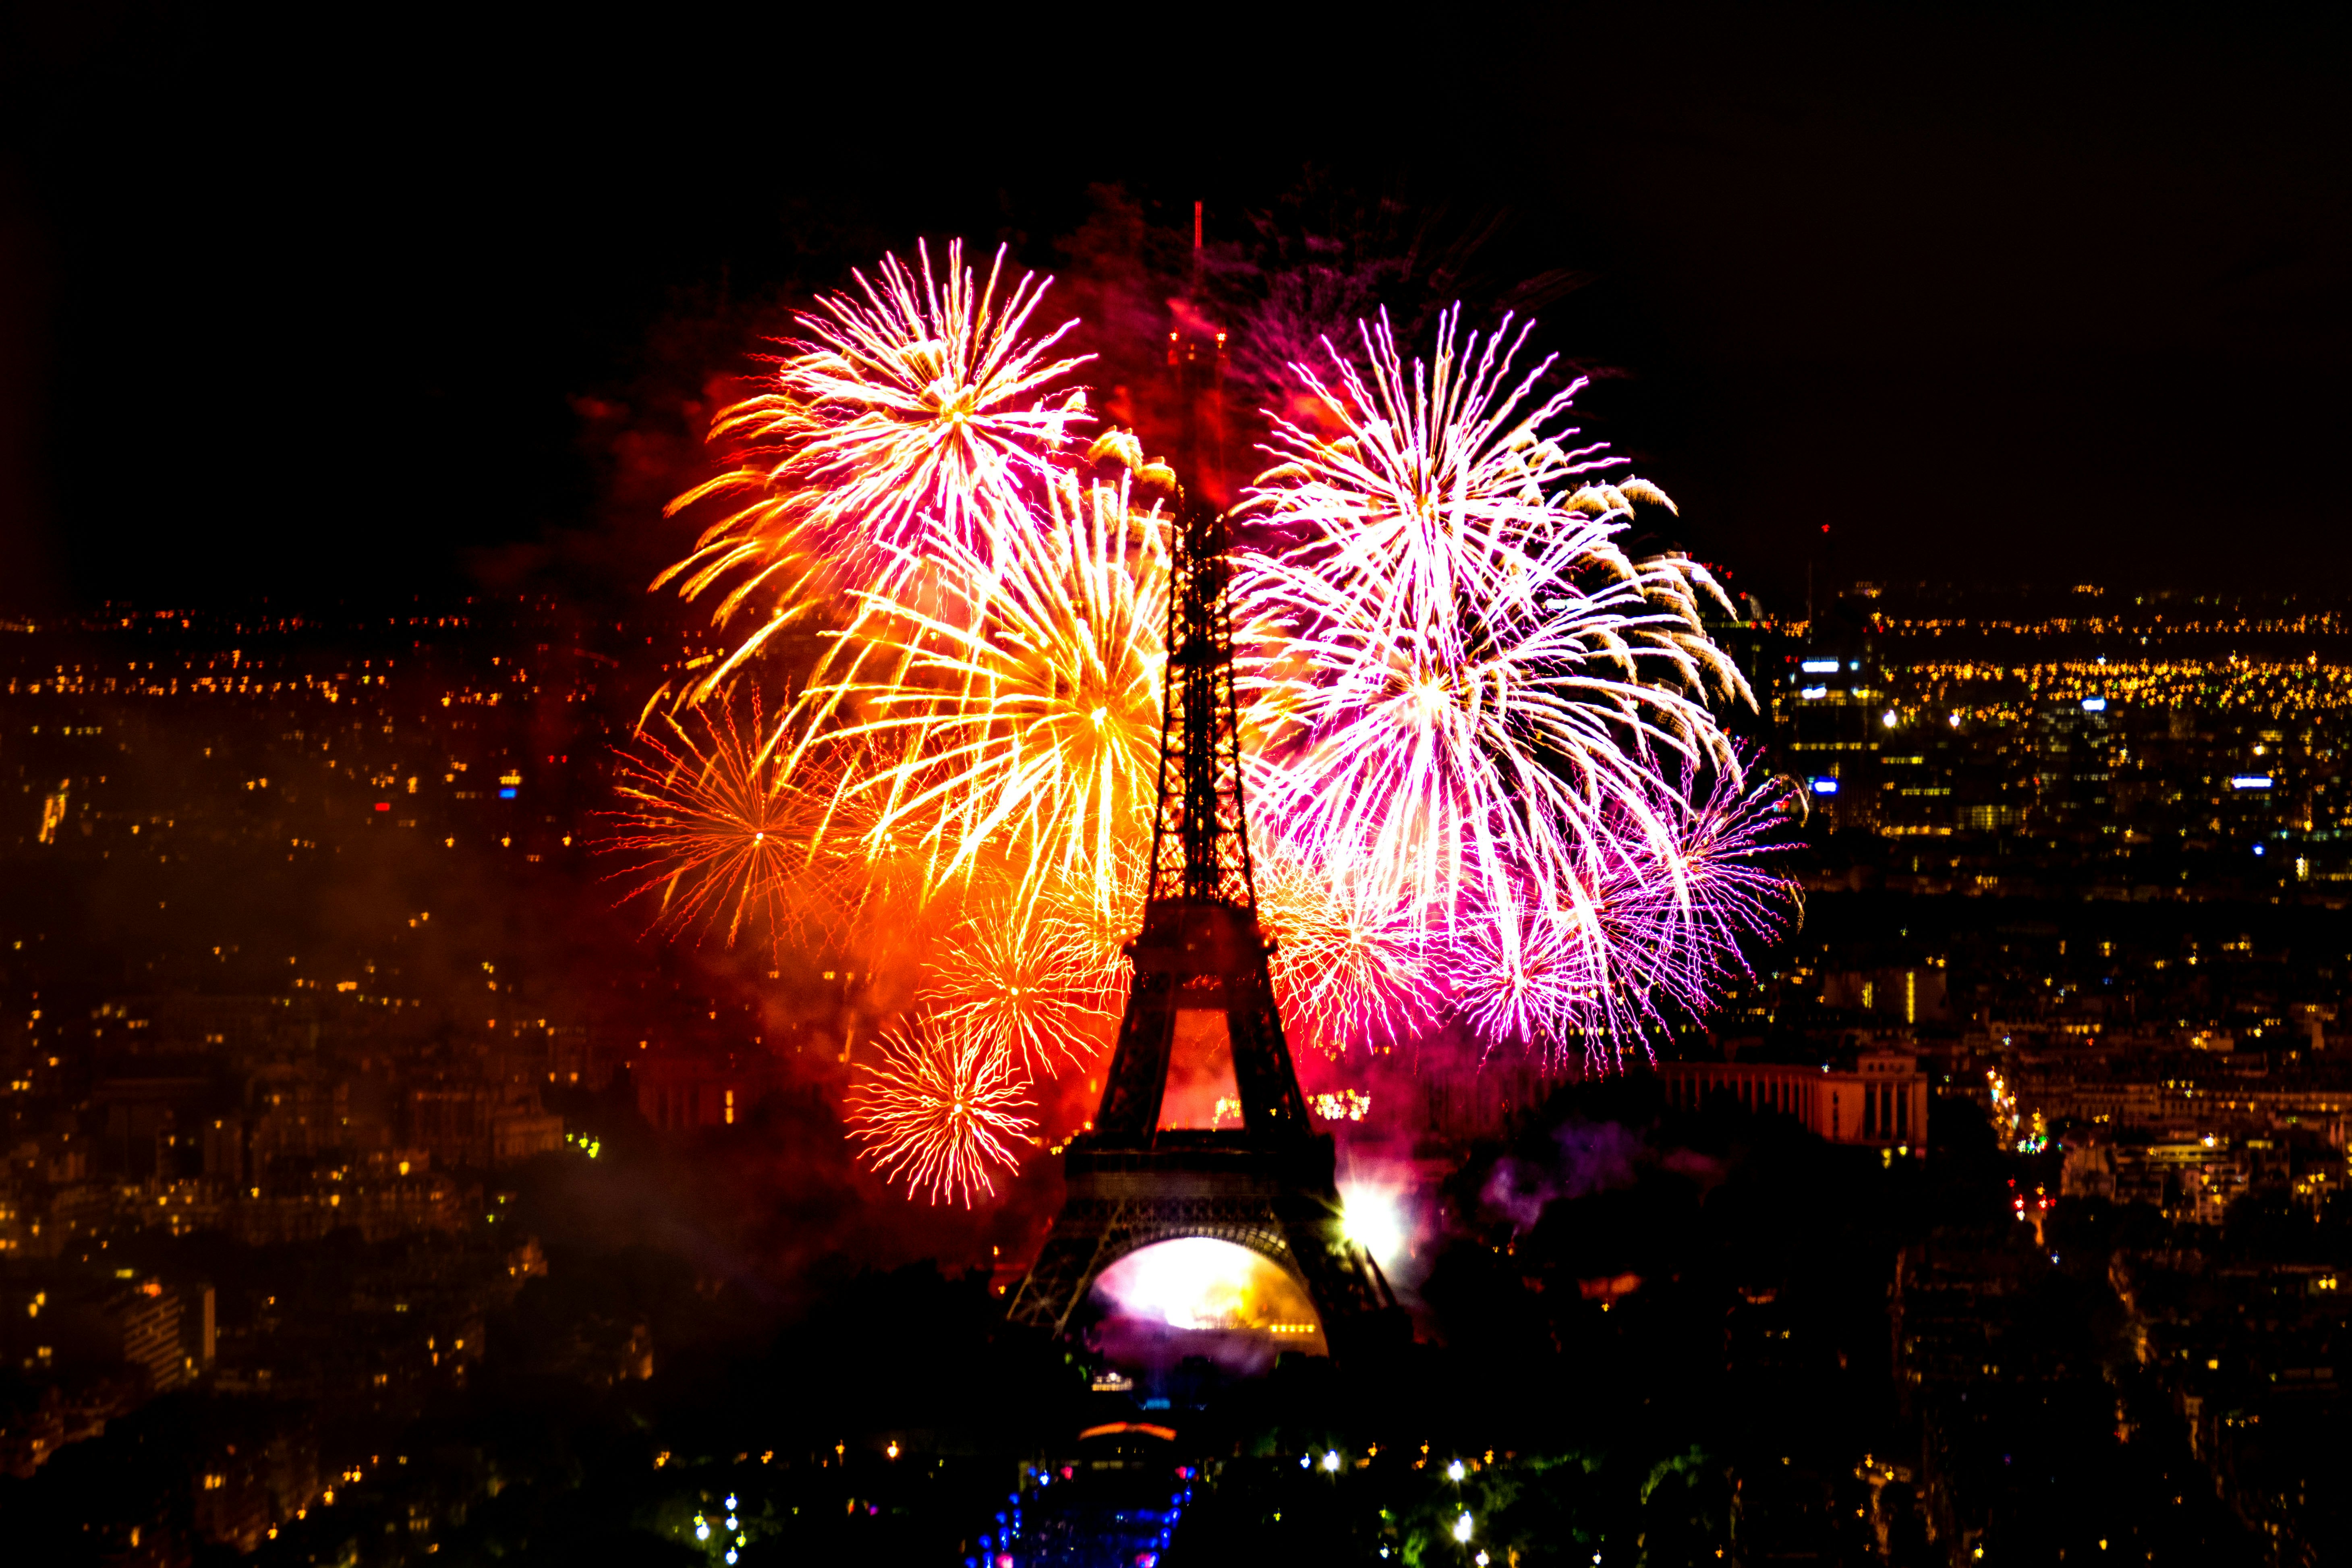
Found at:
[1200, 850]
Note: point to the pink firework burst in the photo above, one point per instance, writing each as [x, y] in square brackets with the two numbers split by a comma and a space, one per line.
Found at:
[1456, 678]
[1649, 941]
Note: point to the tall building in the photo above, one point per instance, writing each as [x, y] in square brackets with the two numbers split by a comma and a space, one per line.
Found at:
[1829, 707]
[2071, 766]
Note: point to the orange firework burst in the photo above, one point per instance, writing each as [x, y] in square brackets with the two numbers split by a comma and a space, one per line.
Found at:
[1026, 984]
[921, 410]
[942, 1109]
[714, 833]
[1028, 730]
[1349, 968]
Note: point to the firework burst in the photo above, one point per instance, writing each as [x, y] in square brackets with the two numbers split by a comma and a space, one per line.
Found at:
[1648, 941]
[919, 408]
[1715, 890]
[1350, 968]
[1488, 782]
[943, 1110]
[1026, 731]
[1458, 679]
[714, 837]
[1026, 984]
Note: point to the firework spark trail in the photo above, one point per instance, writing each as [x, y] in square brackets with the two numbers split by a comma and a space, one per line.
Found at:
[1025, 984]
[1472, 758]
[1729, 896]
[1347, 967]
[1445, 480]
[923, 410]
[1029, 732]
[942, 1111]
[1648, 943]
[714, 837]
[1455, 673]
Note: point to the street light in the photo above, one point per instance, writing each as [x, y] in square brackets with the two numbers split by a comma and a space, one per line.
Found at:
[1461, 1528]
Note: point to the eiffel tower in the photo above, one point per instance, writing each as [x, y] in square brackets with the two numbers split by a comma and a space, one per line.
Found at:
[1268, 1184]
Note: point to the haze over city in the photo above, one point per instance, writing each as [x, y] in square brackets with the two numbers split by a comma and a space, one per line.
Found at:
[1577, 800]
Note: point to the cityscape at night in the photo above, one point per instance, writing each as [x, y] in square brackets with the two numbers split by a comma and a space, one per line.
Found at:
[722, 846]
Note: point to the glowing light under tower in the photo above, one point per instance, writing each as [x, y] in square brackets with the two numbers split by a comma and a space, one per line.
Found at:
[1374, 1220]
[1198, 1283]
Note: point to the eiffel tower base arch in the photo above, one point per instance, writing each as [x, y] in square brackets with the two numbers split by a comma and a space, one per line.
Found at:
[1283, 1206]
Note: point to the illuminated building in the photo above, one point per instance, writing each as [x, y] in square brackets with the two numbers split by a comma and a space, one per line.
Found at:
[480, 1125]
[1828, 710]
[2071, 742]
[681, 1089]
[1881, 1102]
[1914, 995]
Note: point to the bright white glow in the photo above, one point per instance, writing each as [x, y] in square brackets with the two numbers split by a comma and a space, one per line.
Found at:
[1812, 693]
[1199, 1282]
[2094, 704]
[1819, 666]
[1331, 1460]
[1453, 1472]
[1461, 1528]
[2250, 781]
[1825, 786]
[1373, 1219]
[1956, 720]
[1887, 718]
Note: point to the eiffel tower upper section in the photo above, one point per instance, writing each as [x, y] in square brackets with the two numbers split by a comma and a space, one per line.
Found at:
[1200, 947]
[1200, 843]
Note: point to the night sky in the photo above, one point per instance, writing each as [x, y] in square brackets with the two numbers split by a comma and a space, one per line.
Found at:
[302, 304]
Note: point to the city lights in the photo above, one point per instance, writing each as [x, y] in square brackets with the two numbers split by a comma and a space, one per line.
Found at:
[1669, 965]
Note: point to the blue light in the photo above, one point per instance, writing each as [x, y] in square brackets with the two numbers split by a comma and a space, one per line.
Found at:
[2250, 781]
[2258, 848]
[1825, 786]
[506, 793]
[1812, 693]
[2094, 704]
[1819, 666]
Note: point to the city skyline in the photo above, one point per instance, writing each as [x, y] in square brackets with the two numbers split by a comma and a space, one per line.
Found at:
[1570, 787]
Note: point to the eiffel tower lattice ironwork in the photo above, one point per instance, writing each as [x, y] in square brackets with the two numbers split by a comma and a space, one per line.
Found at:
[1268, 1184]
